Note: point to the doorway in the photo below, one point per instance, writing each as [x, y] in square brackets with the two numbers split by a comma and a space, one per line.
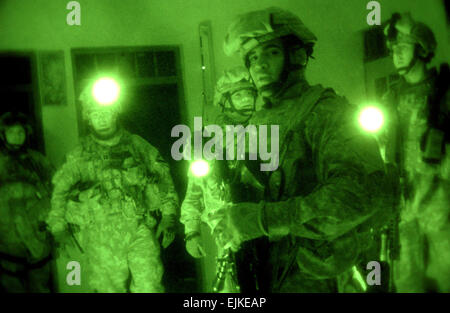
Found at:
[19, 91]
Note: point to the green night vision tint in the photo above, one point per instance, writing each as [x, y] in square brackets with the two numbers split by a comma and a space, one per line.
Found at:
[106, 91]
[371, 119]
[200, 168]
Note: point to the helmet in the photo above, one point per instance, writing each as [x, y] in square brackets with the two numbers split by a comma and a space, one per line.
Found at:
[256, 27]
[231, 81]
[402, 28]
[89, 103]
[13, 118]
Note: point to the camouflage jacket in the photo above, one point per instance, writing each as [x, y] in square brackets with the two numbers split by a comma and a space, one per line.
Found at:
[329, 190]
[408, 122]
[25, 186]
[424, 184]
[227, 182]
[129, 179]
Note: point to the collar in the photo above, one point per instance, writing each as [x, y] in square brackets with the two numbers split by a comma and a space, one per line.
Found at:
[427, 82]
[222, 120]
[115, 140]
[294, 89]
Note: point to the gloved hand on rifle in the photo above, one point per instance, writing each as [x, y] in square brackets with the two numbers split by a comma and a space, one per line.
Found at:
[247, 220]
[194, 246]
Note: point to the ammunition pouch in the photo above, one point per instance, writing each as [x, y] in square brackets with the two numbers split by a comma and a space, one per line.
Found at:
[433, 145]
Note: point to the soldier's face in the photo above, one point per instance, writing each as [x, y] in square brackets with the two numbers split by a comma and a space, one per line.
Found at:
[266, 62]
[103, 121]
[403, 54]
[243, 99]
[15, 135]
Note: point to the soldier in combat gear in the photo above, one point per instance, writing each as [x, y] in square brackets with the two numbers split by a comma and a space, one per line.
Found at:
[417, 145]
[228, 181]
[25, 187]
[108, 194]
[329, 188]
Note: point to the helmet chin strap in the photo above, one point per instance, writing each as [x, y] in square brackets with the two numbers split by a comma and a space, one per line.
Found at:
[411, 64]
[233, 109]
[275, 90]
[272, 88]
[407, 68]
[288, 77]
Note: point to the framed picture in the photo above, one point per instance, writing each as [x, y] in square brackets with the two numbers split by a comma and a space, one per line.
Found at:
[52, 77]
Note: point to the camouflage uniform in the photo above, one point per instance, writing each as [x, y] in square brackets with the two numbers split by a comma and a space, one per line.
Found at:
[330, 188]
[24, 204]
[326, 195]
[206, 201]
[111, 194]
[207, 196]
[424, 260]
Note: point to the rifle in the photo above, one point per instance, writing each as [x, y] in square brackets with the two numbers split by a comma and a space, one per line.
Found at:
[390, 242]
[74, 239]
[226, 266]
[74, 196]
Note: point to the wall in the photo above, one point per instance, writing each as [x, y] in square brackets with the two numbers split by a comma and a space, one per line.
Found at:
[41, 25]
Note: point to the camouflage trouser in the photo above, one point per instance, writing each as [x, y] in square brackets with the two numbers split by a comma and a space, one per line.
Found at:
[118, 249]
[424, 261]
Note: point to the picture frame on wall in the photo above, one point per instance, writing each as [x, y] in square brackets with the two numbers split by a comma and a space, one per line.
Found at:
[52, 78]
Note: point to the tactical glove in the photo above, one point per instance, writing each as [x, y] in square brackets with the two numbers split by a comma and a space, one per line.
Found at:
[249, 220]
[194, 246]
[245, 222]
[167, 228]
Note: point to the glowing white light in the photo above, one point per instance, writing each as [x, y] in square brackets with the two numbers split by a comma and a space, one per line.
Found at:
[106, 91]
[371, 119]
[199, 168]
